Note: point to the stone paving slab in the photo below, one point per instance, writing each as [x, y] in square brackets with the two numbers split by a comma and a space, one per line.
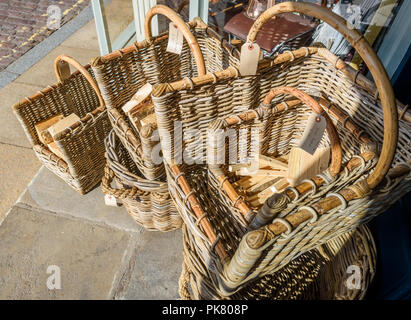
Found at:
[49, 192]
[42, 73]
[11, 131]
[18, 166]
[157, 266]
[89, 257]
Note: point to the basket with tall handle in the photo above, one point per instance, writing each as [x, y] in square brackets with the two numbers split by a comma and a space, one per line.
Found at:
[229, 243]
[81, 144]
[121, 73]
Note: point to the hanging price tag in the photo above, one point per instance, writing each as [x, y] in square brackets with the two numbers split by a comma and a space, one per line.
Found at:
[175, 39]
[313, 133]
[250, 54]
[111, 201]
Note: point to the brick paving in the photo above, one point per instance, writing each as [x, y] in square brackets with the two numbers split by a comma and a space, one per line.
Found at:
[23, 24]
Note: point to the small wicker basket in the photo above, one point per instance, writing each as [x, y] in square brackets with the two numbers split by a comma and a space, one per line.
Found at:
[82, 144]
[147, 201]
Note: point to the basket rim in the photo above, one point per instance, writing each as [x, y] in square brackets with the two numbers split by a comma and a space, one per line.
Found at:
[197, 22]
[113, 143]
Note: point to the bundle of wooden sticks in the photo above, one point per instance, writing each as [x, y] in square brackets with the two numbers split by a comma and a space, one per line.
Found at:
[266, 176]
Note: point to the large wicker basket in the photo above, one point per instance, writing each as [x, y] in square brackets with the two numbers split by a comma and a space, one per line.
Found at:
[323, 273]
[121, 73]
[147, 201]
[349, 193]
[82, 144]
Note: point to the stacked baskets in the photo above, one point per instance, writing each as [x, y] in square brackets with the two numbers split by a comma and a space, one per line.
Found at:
[147, 201]
[141, 180]
[302, 238]
[222, 251]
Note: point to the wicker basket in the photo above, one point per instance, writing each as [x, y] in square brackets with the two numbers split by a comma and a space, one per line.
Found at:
[348, 194]
[322, 273]
[147, 201]
[82, 144]
[121, 73]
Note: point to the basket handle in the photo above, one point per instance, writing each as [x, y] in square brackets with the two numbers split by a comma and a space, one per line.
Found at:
[356, 39]
[336, 151]
[62, 70]
[118, 193]
[179, 22]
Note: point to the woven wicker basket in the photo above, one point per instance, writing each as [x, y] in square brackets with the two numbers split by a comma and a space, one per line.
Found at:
[147, 201]
[315, 211]
[121, 73]
[83, 143]
[322, 273]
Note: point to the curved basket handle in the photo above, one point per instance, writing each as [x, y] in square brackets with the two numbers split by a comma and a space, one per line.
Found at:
[179, 22]
[336, 151]
[62, 71]
[118, 193]
[374, 64]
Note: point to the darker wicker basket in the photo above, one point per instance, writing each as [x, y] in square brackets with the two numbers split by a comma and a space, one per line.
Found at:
[147, 201]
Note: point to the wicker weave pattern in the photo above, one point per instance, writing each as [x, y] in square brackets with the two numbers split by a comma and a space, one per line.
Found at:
[119, 78]
[313, 71]
[147, 201]
[307, 277]
[83, 147]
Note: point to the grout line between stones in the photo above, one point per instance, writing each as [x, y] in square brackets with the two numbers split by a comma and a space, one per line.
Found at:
[75, 218]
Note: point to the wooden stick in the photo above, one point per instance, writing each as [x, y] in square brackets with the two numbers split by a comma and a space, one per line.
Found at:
[262, 172]
[265, 183]
[273, 163]
[280, 185]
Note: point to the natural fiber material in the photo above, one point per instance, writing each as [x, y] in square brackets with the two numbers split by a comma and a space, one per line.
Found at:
[122, 73]
[322, 273]
[147, 201]
[83, 144]
[312, 73]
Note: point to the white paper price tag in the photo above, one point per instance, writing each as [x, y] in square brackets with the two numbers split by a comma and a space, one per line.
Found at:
[313, 133]
[250, 54]
[110, 200]
[175, 39]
